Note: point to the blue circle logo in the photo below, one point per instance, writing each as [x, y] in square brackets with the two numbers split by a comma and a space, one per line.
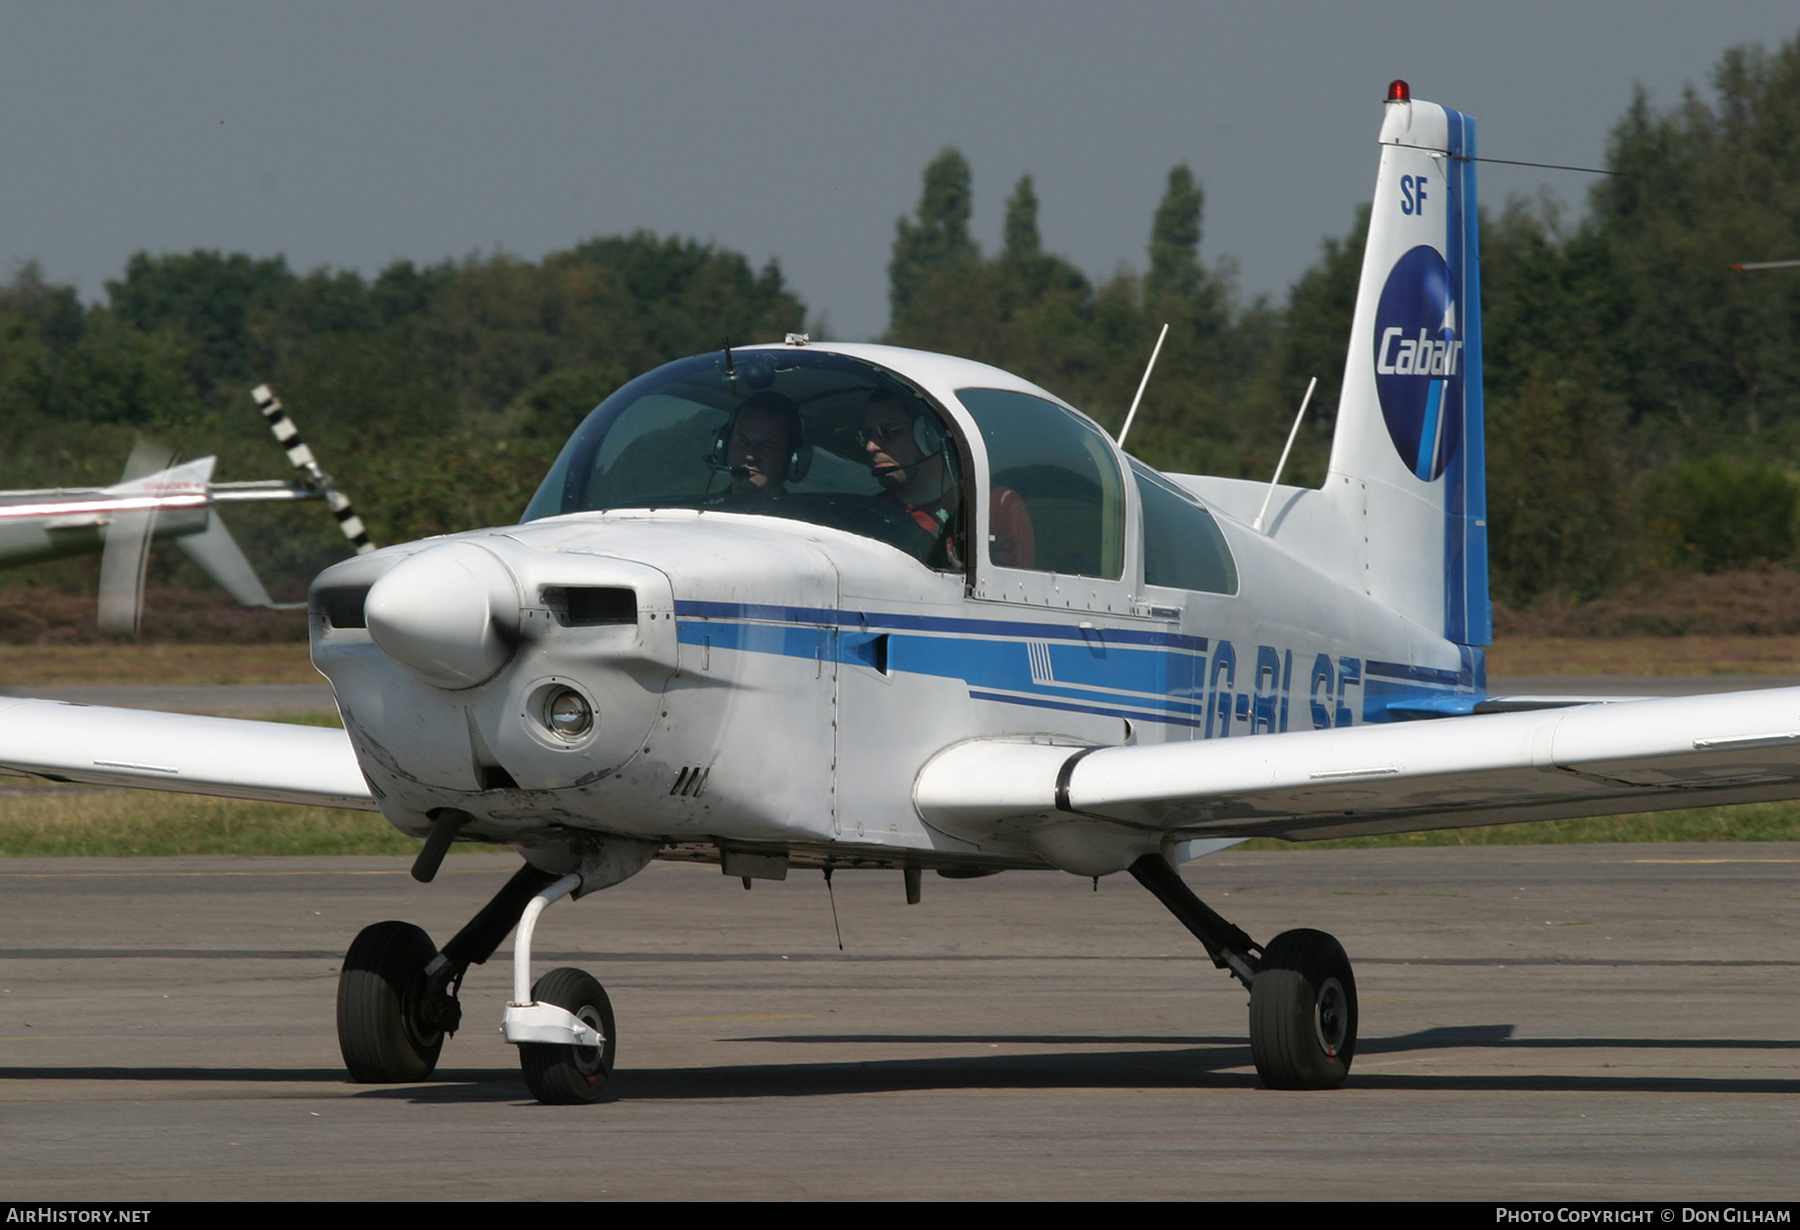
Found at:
[1419, 362]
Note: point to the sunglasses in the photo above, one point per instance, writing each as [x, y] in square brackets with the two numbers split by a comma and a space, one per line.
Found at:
[883, 435]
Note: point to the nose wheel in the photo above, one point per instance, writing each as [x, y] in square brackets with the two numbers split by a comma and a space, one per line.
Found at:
[571, 1075]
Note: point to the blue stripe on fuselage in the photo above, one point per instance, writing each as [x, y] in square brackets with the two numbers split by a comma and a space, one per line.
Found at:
[1127, 673]
[831, 617]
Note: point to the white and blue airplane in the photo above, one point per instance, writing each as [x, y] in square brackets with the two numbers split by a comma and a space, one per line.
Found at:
[849, 606]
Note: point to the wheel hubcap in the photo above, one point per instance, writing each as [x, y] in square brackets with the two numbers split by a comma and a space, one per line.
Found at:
[587, 1058]
[1331, 1016]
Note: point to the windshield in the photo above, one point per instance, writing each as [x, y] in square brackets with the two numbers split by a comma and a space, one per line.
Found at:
[806, 435]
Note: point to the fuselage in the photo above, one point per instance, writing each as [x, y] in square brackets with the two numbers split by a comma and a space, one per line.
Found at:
[766, 682]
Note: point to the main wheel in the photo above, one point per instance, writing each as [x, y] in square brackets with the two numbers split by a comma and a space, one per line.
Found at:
[571, 1075]
[379, 990]
[1303, 1012]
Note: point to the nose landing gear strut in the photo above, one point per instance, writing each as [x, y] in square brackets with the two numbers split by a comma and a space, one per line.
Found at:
[563, 1026]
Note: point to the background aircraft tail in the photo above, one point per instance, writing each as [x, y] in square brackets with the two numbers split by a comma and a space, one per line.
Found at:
[1407, 459]
[149, 471]
[126, 554]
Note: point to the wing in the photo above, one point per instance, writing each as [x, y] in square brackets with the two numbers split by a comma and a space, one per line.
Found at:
[239, 759]
[1588, 760]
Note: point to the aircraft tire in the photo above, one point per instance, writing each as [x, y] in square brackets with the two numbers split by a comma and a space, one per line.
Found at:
[383, 973]
[571, 1075]
[1303, 1012]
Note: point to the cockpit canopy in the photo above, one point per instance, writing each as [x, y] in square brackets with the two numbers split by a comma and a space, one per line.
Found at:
[833, 440]
[717, 432]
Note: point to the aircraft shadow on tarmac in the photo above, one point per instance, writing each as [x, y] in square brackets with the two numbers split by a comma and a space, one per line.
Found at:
[1200, 1063]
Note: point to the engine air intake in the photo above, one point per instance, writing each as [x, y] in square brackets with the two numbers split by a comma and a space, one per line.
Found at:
[586, 606]
[342, 605]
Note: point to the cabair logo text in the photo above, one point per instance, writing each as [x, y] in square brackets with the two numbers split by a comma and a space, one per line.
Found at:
[1419, 362]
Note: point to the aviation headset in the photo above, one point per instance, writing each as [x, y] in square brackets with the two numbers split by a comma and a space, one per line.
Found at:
[927, 436]
[800, 454]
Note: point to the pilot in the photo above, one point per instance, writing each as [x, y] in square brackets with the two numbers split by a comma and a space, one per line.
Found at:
[763, 447]
[905, 450]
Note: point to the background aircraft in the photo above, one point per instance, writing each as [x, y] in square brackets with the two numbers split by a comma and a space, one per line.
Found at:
[157, 499]
[856, 607]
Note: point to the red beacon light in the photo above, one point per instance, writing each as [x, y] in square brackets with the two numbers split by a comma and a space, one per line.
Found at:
[1399, 91]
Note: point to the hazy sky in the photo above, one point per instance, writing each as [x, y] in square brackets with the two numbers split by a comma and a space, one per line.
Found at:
[352, 135]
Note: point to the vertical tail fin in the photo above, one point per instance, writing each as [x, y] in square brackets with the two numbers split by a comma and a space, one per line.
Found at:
[1408, 459]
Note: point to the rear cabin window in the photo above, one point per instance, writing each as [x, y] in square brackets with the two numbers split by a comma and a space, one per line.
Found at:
[1183, 548]
[1056, 499]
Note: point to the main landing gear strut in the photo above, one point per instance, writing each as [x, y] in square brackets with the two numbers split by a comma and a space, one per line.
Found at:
[397, 999]
[1302, 993]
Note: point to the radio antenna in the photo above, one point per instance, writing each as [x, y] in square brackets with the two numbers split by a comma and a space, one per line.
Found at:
[730, 370]
[1148, 368]
[1286, 448]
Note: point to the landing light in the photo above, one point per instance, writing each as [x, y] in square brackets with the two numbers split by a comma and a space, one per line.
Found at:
[568, 714]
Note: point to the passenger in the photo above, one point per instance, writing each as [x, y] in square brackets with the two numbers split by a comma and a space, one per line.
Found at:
[906, 454]
[761, 446]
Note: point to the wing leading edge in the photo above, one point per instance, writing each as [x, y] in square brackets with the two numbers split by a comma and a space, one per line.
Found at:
[232, 757]
[1644, 755]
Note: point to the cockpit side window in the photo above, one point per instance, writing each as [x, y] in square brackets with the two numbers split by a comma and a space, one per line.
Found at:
[807, 435]
[1183, 548]
[1056, 501]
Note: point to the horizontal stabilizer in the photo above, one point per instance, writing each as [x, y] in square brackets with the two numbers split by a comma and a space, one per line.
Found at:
[230, 757]
[1463, 704]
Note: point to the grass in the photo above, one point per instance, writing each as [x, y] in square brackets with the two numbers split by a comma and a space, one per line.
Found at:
[79, 822]
[172, 665]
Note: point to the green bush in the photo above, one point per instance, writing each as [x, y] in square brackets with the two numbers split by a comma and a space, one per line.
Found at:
[1725, 514]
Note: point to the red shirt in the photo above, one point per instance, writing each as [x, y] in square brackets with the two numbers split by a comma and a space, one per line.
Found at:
[1011, 542]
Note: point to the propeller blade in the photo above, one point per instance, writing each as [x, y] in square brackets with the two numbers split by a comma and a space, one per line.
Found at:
[298, 452]
[147, 458]
[126, 554]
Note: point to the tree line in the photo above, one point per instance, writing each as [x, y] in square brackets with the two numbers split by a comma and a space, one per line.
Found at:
[1643, 397]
